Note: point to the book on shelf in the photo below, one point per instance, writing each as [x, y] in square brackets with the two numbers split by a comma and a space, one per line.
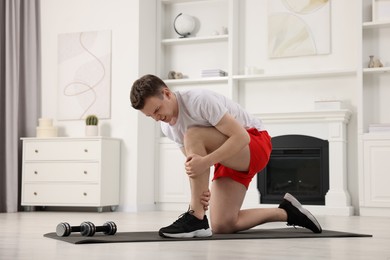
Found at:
[212, 73]
[378, 128]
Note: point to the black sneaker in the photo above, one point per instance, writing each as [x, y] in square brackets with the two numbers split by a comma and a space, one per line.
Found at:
[299, 216]
[187, 226]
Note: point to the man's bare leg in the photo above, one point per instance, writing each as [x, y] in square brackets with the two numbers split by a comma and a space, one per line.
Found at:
[226, 215]
[200, 183]
[201, 141]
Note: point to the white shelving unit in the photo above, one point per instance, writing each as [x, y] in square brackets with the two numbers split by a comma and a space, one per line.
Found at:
[374, 95]
[375, 81]
[214, 48]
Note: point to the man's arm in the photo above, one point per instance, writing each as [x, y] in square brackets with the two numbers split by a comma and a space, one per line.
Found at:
[238, 138]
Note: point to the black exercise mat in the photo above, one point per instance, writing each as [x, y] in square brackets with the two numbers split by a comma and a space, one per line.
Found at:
[121, 237]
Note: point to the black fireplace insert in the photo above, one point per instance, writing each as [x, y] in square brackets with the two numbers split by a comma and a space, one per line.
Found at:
[299, 165]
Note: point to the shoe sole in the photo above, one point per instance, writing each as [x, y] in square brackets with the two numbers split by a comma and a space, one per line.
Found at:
[304, 211]
[196, 233]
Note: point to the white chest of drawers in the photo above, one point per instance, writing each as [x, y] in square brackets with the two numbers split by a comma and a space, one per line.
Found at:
[77, 172]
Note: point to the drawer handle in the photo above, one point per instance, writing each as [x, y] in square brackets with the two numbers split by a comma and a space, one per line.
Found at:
[36, 151]
[35, 193]
[86, 150]
[85, 194]
[35, 172]
[85, 172]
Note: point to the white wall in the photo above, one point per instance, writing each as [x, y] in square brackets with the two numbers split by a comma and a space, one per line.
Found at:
[129, 60]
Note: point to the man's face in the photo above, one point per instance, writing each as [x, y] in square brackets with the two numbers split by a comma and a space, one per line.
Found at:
[159, 109]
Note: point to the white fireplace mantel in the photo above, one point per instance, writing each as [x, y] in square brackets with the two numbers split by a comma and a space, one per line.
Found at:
[328, 125]
[307, 116]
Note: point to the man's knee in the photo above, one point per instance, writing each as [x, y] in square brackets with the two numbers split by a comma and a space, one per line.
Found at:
[206, 138]
[193, 133]
[194, 137]
[227, 227]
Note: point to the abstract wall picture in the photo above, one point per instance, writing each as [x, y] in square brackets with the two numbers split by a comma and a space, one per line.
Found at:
[298, 28]
[84, 75]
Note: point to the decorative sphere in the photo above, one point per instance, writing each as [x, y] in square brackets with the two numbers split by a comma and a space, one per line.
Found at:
[184, 24]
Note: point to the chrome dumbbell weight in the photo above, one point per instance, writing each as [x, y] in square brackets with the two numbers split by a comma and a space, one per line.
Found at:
[64, 229]
[89, 229]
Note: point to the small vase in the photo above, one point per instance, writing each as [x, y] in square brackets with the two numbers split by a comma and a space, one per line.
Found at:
[91, 130]
[371, 62]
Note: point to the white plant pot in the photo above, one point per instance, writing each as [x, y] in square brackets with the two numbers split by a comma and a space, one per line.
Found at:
[91, 130]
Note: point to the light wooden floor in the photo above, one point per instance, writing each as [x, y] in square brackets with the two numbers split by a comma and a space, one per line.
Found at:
[21, 237]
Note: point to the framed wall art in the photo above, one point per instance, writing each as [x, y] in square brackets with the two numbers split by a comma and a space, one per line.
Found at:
[84, 75]
[298, 28]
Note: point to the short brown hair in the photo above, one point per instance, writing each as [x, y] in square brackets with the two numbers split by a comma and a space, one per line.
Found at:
[145, 87]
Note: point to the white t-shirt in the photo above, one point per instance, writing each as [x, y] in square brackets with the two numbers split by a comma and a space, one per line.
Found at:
[201, 107]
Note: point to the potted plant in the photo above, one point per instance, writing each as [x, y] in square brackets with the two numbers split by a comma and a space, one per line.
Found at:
[91, 125]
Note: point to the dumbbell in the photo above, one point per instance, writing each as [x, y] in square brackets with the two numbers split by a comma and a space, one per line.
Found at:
[88, 229]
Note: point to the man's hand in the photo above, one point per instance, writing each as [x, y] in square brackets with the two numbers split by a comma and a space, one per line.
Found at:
[195, 165]
[204, 199]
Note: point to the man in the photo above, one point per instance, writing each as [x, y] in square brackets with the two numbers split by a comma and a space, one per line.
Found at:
[213, 130]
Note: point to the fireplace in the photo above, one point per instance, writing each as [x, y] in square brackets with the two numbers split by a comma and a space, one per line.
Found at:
[328, 125]
[299, 164]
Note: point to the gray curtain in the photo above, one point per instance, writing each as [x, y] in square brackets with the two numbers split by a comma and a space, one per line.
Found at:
[20, 72]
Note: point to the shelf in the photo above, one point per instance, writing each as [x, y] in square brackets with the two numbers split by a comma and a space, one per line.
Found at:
[203, 39]
[376, 70]
[308, 74]
[173, 82]
[379, 24]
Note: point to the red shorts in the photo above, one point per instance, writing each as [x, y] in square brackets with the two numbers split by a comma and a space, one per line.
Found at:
[260, 149]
